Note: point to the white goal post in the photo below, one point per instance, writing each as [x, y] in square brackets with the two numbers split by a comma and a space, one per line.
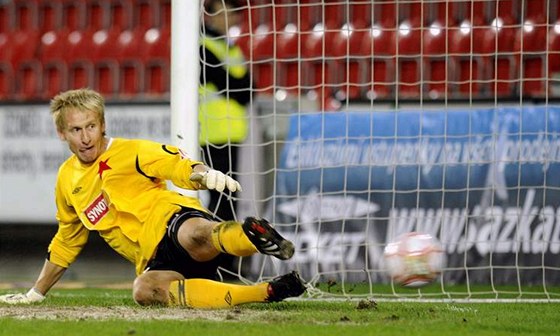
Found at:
[369, 119]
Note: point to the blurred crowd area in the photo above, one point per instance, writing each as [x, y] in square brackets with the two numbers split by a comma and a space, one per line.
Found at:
[323, 51]
[118, 47]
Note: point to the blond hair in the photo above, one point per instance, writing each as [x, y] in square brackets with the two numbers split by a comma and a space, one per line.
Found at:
[80, 99]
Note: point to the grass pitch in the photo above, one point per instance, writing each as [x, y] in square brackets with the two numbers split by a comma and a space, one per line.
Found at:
[96, 312]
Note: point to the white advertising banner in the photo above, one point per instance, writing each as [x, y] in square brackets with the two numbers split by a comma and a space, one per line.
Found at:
[30, 153]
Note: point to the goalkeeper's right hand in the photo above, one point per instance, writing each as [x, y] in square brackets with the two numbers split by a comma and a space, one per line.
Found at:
[215, 180]
[32, 296]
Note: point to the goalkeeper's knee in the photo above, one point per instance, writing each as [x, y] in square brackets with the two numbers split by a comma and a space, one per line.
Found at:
[148, 292]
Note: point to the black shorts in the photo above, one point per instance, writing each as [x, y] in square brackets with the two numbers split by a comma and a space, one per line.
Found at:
[170, 255]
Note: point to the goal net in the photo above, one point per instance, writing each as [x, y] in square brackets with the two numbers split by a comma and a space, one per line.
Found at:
[369, 119]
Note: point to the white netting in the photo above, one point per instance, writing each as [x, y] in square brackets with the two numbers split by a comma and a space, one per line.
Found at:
[367, 119]
[374, 118]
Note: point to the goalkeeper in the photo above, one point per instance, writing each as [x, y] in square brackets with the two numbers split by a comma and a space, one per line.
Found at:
[117, 187]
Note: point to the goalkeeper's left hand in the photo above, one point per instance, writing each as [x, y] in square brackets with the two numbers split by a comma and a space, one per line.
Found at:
[215, 180]
[32, 296]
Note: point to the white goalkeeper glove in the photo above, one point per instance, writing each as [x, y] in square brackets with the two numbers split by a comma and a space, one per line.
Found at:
[32, 296]
[215, 180]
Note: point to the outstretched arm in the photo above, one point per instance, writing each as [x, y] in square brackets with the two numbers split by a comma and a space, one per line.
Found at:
[50, 274]
[166, 162]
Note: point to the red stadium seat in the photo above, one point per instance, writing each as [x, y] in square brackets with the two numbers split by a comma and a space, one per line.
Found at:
[332, 13]
[124, 49]
[444, 12]
[80, 66]
[24, 46]
[554, 59]
[63, 52]
[156, 54]
[24, 40]
[530, 47]
[73, 15]
[500, 65]
[243, 40]
[305, 15]
[531, 36]
[262, 61]
[144, 14]
[409, 39]
[51, 54]
[435, 51]
[467, 57]
[56, 19]
[55, 79]
[25, 15]
[25, 35]
[105, 59]
[165, 14]
[130, 61]
[414, 12]
[507, 10]
[262, 12]
[6, 47]
[379, 48]
[120, 15]
[50, 15]
[281, 14]
[535, 9]
[257, 39]
[289, 46]
[319, 67]
[242, 32]
[360, 14]
[28, 81]
[6, 12]
[385, 13]
[52, 48]
[80, 24]
[6, 81]
[96, 13]
[554, 47]
[349, 66]
[80, 75]
[472, 11]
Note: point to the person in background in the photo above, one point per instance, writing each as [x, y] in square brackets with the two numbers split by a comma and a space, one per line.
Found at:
[117, 188]
[225, 92]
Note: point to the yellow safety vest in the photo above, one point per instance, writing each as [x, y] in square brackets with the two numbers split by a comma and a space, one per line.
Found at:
[222, 120]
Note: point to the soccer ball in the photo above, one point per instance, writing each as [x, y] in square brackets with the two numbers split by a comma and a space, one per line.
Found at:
[414, 260]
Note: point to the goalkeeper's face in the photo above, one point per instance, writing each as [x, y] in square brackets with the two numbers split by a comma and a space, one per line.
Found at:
[84, 133]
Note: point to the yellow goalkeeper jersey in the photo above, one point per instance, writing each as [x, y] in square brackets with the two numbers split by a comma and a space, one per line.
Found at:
[122, 195]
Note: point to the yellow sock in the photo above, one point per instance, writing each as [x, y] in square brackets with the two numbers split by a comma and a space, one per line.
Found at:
[203, 293]
[228, 237]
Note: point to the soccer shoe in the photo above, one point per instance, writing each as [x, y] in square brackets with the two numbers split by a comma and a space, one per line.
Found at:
[285, 286]
[266, 239]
